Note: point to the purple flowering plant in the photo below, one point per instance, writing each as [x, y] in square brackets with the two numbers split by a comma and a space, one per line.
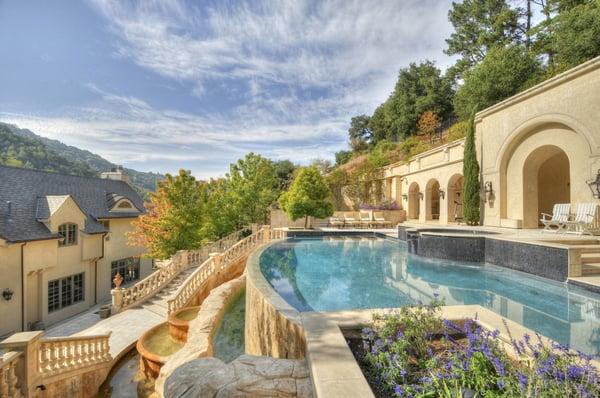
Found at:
[413, 352]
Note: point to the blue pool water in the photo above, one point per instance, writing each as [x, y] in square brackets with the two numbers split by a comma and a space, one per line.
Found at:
[341, 273]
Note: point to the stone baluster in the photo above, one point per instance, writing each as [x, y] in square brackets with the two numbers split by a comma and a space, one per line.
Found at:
[266, 232]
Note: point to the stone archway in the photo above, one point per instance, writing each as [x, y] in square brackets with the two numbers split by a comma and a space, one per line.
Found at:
[432, 200]
[454, 198]
[414, 205]
[533, 156]
[546, 181]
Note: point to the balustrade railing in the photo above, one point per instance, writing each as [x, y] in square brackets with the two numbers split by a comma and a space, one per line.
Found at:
[62, 354]
[278, 234]
[124, 298]
[9, 382]
[212, 266]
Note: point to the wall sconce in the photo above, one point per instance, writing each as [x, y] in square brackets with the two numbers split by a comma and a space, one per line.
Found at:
[595, 185]
[7, 294]
[405, 196]
[489, 191]
[421, 195]
[442, 193]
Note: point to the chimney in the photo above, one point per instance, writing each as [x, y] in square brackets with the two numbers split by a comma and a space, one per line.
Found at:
[115, 173]
[8, 210]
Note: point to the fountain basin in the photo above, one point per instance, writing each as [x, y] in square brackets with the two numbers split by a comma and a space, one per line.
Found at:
[179, 323]
[155, 347]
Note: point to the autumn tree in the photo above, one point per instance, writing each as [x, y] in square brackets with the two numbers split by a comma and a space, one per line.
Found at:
[429, 123]
[308, 196]
[173, 218]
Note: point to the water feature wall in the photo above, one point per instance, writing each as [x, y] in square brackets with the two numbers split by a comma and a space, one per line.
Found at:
[273, 327]
[203, 328]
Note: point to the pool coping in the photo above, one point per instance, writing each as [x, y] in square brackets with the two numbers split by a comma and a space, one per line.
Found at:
[336, 373]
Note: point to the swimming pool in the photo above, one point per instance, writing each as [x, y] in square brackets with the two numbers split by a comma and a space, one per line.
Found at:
[340, 273]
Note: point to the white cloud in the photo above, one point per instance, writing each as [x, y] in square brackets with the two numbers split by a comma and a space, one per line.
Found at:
[298, 70]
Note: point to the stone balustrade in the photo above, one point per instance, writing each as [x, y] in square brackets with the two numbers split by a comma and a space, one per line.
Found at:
[214, 265]
[64, 354]
[192, 284]
[9, 382]
[123, 298]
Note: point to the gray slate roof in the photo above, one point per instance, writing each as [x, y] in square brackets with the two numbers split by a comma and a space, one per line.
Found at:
[33, 194]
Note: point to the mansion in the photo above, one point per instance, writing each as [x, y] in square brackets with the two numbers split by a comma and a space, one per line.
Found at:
[62, 240]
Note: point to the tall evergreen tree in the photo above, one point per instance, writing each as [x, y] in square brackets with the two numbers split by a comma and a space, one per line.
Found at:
[471, 187]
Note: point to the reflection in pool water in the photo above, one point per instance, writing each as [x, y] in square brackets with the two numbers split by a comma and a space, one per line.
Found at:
[229, 340]
[340, 273]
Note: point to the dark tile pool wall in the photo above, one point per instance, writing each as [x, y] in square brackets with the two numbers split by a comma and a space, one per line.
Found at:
[549, 262]
[545, 261]
[456, 248]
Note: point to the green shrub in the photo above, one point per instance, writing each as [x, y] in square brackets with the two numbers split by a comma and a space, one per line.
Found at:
[457, 131]
[413, 146]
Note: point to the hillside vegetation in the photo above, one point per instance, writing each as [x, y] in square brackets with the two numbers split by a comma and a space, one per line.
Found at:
[24, 148]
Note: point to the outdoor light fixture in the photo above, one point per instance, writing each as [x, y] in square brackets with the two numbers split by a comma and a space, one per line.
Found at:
[420, 195]
[405, 196]
[489, 191]
[595, 185]
[7, 294]
[442, 193]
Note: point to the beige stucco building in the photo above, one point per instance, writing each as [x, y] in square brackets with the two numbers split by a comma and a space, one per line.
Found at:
[535, 149]
[62, 239]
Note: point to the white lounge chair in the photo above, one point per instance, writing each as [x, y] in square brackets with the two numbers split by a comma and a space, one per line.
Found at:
[380, 220]
[365, 219]
[337, 220]
[558, 218]
[350, 219]
[585, 221]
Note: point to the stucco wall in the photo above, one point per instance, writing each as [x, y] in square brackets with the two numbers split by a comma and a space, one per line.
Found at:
[562, 112]
[443, 164]
[45, 261]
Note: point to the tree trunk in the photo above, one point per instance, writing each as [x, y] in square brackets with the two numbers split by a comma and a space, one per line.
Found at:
[305, 222]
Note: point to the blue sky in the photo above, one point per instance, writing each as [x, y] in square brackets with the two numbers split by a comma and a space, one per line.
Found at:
[163, 85]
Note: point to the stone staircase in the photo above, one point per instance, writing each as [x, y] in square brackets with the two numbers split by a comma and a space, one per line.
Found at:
[158, 303]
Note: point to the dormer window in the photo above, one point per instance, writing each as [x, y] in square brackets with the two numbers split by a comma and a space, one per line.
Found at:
[69, 233]
[124, 205]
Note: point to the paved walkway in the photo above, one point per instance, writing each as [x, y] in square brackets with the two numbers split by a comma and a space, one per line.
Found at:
[127, 326]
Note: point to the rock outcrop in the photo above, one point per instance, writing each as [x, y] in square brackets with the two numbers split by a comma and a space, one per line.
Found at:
[246, 376]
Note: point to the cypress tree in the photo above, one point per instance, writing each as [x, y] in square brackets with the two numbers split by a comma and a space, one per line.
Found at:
[471, 187]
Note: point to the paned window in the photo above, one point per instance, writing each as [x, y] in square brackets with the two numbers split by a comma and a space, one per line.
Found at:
[69, 233]
[65, 291]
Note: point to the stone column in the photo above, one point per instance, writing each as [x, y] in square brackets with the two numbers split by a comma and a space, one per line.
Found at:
[117, 294]
[29, 344]
[266, 233]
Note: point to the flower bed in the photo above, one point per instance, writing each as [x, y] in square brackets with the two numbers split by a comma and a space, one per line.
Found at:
[415, 353]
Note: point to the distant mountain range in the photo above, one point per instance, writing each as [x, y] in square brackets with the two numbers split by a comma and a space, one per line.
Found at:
[23, 148]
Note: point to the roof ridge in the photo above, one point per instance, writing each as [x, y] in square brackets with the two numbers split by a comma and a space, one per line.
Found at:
[60, 174]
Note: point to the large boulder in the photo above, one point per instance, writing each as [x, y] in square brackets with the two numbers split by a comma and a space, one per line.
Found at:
[246, 376]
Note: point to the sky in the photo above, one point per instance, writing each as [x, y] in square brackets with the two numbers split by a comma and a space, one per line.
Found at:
[164, 85]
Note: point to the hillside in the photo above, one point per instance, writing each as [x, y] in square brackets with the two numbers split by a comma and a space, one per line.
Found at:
[24, 148]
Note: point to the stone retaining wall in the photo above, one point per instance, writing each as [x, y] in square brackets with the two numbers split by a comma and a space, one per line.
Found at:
[273, 327]
[201, 330]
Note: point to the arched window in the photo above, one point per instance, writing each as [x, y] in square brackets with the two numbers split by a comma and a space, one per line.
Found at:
[69, 233]
[124, 205]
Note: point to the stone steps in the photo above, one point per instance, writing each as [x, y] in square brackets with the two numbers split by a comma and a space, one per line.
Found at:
[589, 269]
